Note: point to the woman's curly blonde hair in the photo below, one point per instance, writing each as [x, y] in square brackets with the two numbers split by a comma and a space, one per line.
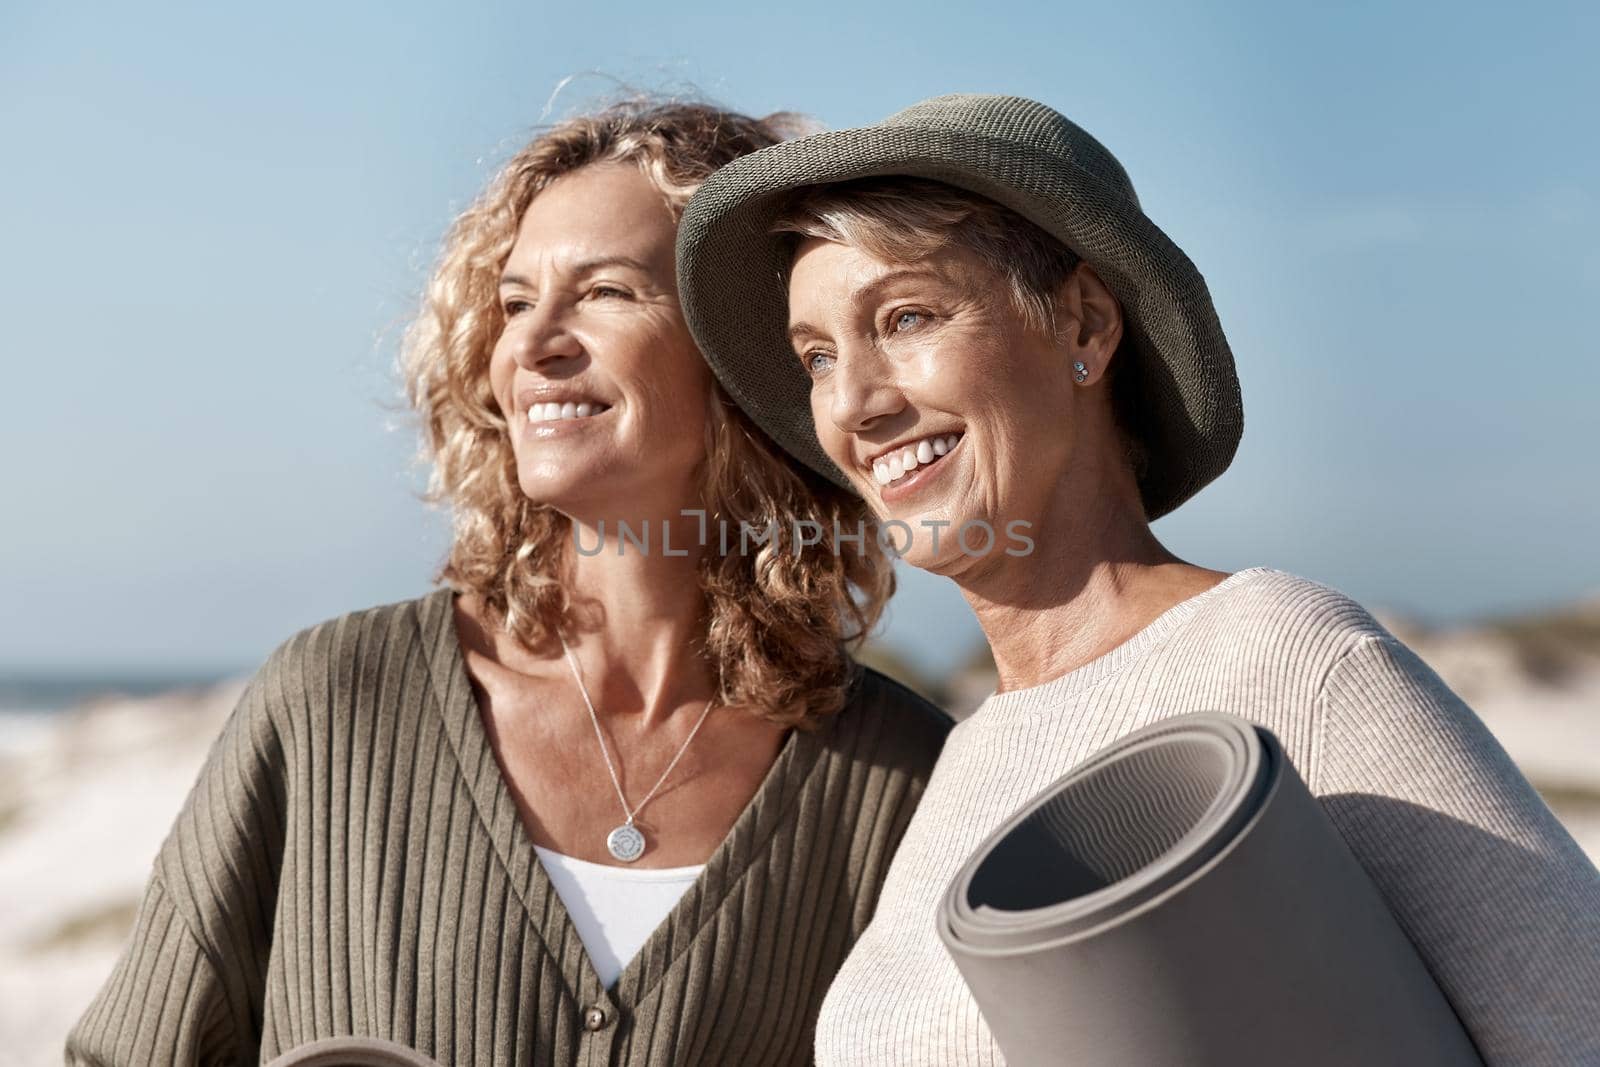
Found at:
[780, 621]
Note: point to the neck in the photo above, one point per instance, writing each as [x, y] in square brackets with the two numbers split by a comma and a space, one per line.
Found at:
[1097, 576]
[640, 651]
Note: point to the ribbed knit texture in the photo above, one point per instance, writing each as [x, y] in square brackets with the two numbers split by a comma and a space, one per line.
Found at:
[351, 861]
[1500, 902]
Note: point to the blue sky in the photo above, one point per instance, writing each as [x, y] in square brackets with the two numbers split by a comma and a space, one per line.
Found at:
[217, 220]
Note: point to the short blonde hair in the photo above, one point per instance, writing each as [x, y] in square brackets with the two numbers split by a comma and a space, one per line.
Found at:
[903, 219]
[779, 621]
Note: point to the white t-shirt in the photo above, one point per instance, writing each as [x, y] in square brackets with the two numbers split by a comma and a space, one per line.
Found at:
[615, 909]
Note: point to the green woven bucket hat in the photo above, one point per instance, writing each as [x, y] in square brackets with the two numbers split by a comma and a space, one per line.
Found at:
[1018, 153]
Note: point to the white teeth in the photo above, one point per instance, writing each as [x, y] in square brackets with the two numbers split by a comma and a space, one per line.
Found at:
[560, 412]
[888, 469]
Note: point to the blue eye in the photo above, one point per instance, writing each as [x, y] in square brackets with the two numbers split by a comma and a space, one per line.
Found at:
[810, 362]
[900, 323]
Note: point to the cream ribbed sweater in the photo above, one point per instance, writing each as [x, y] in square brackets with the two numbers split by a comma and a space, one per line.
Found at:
[1497, 897]
[351, 861]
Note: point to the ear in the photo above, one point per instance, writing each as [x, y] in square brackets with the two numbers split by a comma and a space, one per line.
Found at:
[1089, 320]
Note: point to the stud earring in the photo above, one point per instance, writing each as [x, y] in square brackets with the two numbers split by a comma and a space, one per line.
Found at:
[1080, 372]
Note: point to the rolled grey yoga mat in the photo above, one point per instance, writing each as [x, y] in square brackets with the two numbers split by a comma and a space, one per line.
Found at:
[353, 1052]
[1181, 898]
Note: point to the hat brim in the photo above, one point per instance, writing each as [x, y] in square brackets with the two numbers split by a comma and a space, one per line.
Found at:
[731, 279]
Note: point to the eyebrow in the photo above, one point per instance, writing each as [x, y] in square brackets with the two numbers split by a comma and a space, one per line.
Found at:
[866, 293]
[587, 266]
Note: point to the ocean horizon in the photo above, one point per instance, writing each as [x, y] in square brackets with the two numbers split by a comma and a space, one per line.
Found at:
[48, 691]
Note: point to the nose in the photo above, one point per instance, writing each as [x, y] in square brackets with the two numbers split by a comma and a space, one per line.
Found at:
[543, 337]
[863, 390]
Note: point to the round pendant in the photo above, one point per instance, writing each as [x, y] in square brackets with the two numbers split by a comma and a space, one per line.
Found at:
[626, 843]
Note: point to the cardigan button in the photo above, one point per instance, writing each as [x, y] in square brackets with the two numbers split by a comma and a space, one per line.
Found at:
[594, 1018]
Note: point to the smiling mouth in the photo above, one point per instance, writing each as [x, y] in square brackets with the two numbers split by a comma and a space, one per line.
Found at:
[903, 463]
[564, 412]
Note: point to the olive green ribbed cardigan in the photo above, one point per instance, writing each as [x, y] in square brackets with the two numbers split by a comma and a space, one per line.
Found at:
[351, 861]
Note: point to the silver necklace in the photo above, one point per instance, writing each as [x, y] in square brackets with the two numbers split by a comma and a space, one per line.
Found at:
[626, 842]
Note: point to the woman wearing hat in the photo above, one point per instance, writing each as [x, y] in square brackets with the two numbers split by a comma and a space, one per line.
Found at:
[611, 795]
[963, 315]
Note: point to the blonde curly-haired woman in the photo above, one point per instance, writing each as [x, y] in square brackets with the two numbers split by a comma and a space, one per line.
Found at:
[615, 793]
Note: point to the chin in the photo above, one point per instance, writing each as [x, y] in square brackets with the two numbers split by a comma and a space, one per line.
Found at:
[923, 558]
[954, 553]
[558, 489]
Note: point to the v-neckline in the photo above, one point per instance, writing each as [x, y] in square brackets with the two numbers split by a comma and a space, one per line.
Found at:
[497, 810]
